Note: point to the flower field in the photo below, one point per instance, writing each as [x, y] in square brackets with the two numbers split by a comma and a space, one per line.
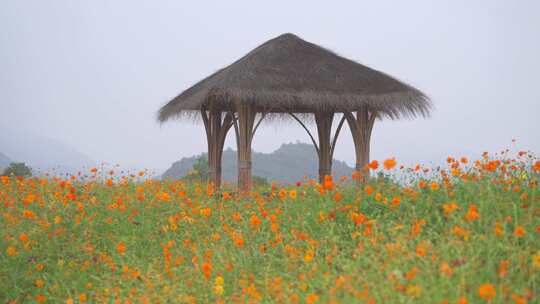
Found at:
[466, 233]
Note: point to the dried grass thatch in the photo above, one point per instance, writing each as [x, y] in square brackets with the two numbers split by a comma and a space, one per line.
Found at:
[288, 74]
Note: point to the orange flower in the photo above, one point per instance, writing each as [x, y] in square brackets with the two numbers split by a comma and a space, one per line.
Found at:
[416, 228]
[120, 248]
[29, 214]
[237, 217]
[255, 221]
[30, 198]
[356, 175]
[11, 251]
[226, 195]
[238, 241]
[449, 208]
[519, 299]
[487, 292]
[445, 269]
[328, 182]
[373, 165]
[368, 190]
[164, 196]
[464, 160]
[109, 182]
[358, 218]
[434, 186]
[537, 165]
[24, 237]
[498, 229]
[395, 201]
[519, 231]
[312, 298]
[421, 184]
[411, 274]
[207, 212]
[41, 298]
[93, 170]
[389, 164]
[378, 197]
[292, 194]
[420, 251]
[207, 269]
[472, 213]
[503, 268]
[337, 197]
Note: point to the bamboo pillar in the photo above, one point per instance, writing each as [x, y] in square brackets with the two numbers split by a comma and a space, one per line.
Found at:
[324, 130]
[326, 143]
[361, 127]
[244, 123]
[216, 130]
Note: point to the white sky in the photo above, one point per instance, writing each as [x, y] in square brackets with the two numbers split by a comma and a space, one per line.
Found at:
[94, 73]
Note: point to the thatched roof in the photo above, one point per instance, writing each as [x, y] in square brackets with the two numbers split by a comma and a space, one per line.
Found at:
[288, 74]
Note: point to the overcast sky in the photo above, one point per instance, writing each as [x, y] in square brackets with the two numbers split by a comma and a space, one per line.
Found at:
[94, 73]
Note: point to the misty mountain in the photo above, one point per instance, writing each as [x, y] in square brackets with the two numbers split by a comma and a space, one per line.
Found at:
[42, 153]
[290, 163]
[4, 161]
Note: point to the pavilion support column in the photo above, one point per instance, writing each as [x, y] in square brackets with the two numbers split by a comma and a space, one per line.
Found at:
[216, 130]
[244, 123]
[326, 142]
[361, 127]
[324, 121]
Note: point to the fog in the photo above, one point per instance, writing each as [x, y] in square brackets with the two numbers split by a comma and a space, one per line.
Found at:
[93, 74]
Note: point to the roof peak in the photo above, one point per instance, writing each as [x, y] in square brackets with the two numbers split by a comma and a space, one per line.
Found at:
[288, 35]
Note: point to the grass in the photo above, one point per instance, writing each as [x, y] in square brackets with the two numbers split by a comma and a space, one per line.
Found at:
[470, 235]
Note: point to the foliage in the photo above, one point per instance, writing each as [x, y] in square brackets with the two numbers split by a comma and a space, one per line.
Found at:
[17, 169]
[259, 181]
[200, 168]
[465, 234]
[199, 172]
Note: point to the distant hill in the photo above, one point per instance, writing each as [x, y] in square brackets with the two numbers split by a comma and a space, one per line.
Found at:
[290, 163]
[4, 161]
[42, 153]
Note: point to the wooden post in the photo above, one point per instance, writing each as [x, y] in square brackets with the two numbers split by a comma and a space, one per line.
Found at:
[243, 125]
[327, 144]
[361, 127]
[324, 130]
[216, 131]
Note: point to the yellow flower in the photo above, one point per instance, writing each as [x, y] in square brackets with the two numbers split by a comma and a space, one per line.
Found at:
[309, 256]
[218, 290]
[414, 290]
[219, 280]
[536, 260]
[292, 194]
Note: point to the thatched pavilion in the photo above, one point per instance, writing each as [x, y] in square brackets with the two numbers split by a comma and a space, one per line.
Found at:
[287, 76]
